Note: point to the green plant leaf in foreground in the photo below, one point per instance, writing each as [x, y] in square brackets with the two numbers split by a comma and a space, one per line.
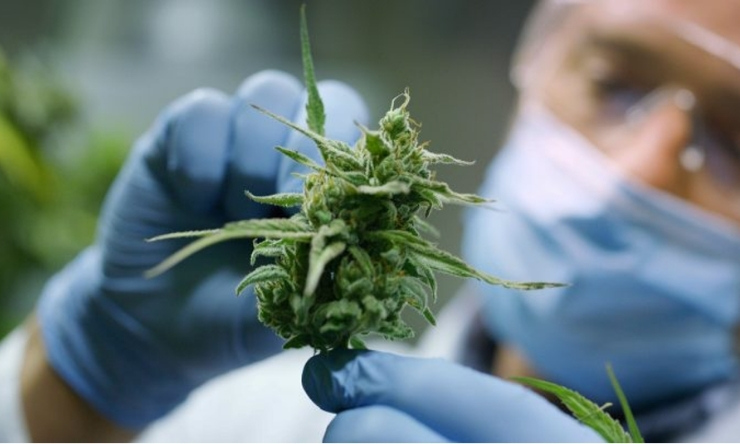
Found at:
[589, 413]
[584, 410]
[627, 411]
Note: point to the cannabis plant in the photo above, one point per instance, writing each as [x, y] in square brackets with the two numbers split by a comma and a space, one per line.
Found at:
[353, 256]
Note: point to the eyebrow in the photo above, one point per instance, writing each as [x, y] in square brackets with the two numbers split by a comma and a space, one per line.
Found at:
[650, 61]
[632, 49]
[621, 44]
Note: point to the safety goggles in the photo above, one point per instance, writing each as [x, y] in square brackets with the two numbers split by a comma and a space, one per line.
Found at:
[616, 79]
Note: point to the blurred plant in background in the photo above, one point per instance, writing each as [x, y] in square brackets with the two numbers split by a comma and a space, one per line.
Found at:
[53, 176]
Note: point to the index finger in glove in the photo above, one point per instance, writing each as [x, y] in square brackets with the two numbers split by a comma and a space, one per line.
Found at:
[185, 150]
[456, 402]
[252, 159]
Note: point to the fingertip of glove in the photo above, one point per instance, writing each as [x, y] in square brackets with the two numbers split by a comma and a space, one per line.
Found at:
[318, 383]
[190, 145]
[201, 101]
[340, 99]
[253, 161]
[200, 119]
[269, 84]
[186, 115]
[327, 379]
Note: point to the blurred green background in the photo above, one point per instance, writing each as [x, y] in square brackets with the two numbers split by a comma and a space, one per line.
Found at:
[80, 79]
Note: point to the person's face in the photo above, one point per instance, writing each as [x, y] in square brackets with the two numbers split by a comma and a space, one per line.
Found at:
[612, 57]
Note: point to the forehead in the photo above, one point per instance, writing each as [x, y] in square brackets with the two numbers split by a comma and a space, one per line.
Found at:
[686, 41]
[720, 17]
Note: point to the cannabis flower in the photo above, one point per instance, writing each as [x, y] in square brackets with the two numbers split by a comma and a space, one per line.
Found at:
[353, 257]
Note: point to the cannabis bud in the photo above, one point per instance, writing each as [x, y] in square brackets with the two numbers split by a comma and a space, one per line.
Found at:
[353, 257]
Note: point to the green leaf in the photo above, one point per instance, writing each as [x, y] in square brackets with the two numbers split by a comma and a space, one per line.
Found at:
[445, 159]
[429, 316]
[444, 191]
[422, 271]
[339, 154]
[628, 416]
[279, 199]
[311, 134]
[267, 248]
[429, 198]
[343, 309]
[445, 262]
[426, 226]
[297, 341]
[333, 228]
[321, 254]
[584, 410]
[318, 260]
[354, 178]
[277, 228]
[357, 343]
[262, 274]
[374, 143]
[411, 287]
[315, 116]
[363, 259]
[192, 248]
[300, 158]
[388, 189]
[331, 150]
[183, 234]
[360, 286]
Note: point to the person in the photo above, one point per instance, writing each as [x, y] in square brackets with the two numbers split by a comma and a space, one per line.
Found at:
[620, 176]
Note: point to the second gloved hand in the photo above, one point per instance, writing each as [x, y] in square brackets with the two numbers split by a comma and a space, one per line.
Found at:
[381, 397]
[134, 347]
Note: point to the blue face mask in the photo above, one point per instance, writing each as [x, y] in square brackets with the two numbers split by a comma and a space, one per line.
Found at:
[655, 281]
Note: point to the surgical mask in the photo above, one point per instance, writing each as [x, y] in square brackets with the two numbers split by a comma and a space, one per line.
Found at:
[654, 282]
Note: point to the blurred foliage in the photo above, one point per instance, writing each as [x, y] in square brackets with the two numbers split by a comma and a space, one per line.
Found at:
[53, 176]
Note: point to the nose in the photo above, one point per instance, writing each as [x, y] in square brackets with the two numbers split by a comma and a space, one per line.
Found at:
[655, 140]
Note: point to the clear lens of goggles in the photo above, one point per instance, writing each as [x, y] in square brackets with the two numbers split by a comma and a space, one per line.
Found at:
[709, 153]
[706, 151]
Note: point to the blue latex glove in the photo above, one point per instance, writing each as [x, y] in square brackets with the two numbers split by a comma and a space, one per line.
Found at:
[135, 347]
[380, 397]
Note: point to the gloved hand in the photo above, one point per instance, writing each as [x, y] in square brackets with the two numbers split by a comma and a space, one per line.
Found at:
[380, 397]
[135, 347]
